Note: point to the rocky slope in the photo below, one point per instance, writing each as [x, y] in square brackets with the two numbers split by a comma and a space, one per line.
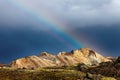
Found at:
[111, 69]
[83, 55]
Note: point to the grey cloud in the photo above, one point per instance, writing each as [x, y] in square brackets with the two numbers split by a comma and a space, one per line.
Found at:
[107, 13]
[79, 12]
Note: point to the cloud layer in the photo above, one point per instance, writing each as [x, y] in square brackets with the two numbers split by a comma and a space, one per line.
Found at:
[79, 12]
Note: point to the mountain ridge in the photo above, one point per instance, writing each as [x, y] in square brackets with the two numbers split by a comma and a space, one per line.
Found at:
[82, 55]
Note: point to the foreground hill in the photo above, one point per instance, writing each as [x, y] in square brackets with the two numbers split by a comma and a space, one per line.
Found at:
[83, 55]
[48, 74]
[110, 69]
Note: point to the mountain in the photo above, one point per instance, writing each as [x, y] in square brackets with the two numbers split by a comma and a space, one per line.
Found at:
[83, 55]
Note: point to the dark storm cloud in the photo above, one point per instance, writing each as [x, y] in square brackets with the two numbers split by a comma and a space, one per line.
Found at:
[24, 42]
[105, 40]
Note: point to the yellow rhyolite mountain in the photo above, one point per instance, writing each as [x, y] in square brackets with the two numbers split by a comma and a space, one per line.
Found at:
[83, 55]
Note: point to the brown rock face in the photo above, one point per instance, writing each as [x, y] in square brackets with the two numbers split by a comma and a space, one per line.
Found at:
[84, 55]
[111, 69]
[1, 65]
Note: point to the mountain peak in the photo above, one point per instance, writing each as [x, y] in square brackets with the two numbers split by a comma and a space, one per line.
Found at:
[88, 52]
[43, 54]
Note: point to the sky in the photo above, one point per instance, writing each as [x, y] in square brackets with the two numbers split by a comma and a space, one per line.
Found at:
[29, 27]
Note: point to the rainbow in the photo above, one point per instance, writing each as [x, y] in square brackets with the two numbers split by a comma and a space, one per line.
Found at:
[54, 27]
